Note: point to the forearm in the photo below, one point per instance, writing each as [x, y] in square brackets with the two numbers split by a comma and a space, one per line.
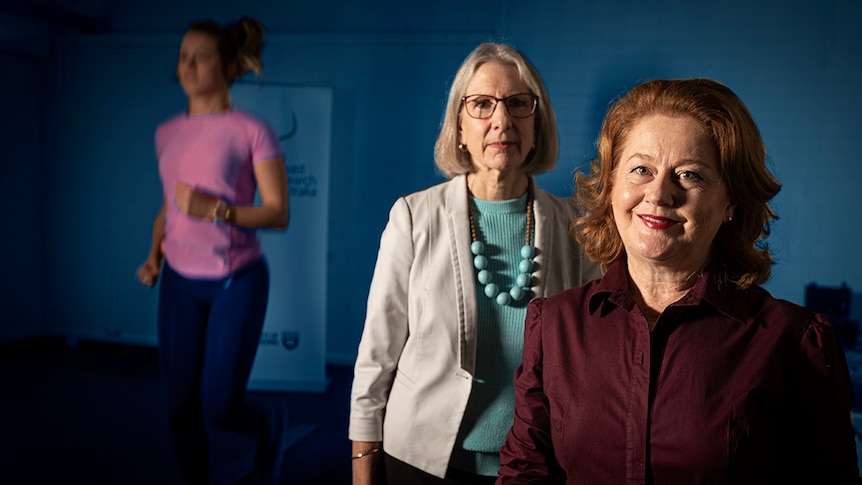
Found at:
[366, 458]
[158, 236]
[148, 273]
[272, 213]
[263, 216]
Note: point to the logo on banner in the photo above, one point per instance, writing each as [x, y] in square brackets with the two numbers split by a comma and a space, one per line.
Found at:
[301, 183]
[290, 340]
[292, 131]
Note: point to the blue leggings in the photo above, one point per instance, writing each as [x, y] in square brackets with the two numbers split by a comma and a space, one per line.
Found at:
[209, 332]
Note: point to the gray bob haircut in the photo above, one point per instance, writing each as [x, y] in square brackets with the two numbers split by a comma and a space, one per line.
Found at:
[452, 161]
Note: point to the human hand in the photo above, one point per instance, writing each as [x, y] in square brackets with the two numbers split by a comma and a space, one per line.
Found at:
[148, 273]
[193, 203]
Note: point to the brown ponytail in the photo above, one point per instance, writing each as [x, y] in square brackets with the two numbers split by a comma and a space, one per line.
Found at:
[248, 33]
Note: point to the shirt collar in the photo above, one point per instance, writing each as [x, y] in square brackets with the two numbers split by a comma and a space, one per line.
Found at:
[613, 289]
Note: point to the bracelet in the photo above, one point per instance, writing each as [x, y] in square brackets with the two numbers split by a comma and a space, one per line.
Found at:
[369, 452]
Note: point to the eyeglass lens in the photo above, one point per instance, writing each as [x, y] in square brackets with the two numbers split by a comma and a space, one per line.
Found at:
[482, 106]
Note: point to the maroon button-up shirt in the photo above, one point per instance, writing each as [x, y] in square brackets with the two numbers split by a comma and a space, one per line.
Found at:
[729, 388]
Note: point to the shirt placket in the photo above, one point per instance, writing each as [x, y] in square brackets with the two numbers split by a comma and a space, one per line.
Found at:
[637, 417]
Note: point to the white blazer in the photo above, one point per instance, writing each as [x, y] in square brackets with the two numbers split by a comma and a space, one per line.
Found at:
[414, 368]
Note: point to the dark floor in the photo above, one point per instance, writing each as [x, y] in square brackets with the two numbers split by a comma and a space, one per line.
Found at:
[94, 414]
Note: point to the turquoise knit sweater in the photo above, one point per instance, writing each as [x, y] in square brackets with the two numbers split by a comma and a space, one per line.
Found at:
[501, 225]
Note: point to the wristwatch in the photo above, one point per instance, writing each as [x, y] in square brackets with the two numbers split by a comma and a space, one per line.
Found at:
[220, 212]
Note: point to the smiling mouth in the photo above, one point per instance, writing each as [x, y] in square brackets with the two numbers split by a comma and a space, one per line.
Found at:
[655, 222]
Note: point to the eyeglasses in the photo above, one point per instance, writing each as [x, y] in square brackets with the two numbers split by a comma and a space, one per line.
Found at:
[482, 106]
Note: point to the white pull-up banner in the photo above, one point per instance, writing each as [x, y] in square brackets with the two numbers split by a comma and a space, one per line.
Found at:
[292, 351]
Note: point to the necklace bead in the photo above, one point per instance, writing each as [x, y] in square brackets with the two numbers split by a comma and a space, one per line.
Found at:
[523, 281]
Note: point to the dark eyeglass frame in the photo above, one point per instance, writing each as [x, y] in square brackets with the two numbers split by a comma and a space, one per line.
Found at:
[497, 101]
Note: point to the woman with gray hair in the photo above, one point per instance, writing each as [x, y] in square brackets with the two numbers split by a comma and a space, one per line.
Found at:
[432, 395]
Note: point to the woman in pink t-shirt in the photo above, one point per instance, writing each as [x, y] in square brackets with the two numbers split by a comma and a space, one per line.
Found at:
[213, 158]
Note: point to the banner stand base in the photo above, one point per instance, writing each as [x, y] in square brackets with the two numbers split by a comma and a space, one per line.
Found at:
[282, 385]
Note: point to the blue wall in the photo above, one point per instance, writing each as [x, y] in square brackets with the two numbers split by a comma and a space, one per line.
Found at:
[84, 203]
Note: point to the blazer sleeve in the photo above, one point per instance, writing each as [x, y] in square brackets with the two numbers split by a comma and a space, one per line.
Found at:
[527, 456]
[386, 327]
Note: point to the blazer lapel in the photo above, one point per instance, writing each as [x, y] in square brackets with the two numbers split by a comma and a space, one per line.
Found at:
[456, 207]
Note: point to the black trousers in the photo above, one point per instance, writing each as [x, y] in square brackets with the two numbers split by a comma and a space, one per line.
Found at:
[397, 472]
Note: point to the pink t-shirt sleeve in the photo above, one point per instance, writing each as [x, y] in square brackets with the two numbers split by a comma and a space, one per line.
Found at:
[265, 143]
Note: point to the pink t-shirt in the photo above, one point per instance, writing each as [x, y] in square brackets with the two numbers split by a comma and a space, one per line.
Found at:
[214, 153]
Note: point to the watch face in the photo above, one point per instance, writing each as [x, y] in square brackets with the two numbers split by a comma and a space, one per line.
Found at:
[219, 211]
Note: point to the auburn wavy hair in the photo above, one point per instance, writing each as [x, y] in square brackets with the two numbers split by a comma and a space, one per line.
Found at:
[740, 257]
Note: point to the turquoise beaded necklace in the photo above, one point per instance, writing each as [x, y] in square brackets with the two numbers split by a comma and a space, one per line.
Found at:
[525, 278]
